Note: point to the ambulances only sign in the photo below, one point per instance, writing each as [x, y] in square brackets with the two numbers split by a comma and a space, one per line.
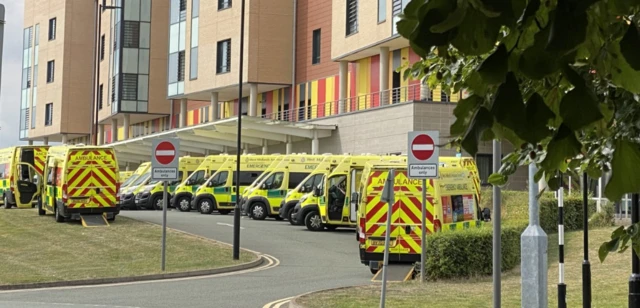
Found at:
[165, 159]
[423, 154]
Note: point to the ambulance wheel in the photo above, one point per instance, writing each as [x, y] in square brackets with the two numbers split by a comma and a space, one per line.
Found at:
[41, 211]
[59, 217]
[5, 202]
[157, 203]
[331, 228]
[278, 218]
[112, 218]
[313, 221]
[184, 204]
[206, 206]
[259, 211]
[373, 271]
[291, 217]
[224, 212]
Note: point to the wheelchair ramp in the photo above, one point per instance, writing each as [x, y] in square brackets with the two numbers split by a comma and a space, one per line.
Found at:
[396, 272]
[93, 221]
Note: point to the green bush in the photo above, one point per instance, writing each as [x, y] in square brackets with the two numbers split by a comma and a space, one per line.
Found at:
[468, 253]
[605, 218]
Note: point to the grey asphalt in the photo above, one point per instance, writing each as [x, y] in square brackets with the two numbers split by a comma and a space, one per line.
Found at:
[309, 261]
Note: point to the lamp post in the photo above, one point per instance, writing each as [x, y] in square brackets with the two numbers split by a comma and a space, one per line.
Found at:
[96, 61]
[236, 213]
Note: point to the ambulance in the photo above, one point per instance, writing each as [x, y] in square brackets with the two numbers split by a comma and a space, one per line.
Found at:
[452, 204]
[142, 170]
[181, 197]
[332, 207]
[266, 198]
[150, 195]
[250, 188]
[219, 191]
[305, 189]
[124, 175]
[127, 195]
[19, 167]
[80, 180]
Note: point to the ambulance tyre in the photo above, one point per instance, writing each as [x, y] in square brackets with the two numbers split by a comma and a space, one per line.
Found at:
[112, 218]
[290, 216]
[224, 212]
[206, 206]
[41, 211]
[157, 203]
[5, 202]
[373, 271]
[331, 228]
[313, 221]
[259, 211]
[59, 217]
[184, 204]
[278, 218]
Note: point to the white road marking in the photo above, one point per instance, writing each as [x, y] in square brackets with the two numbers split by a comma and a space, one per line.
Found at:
[279, 303]
[165, 153]
[422, 147]
[228, 225]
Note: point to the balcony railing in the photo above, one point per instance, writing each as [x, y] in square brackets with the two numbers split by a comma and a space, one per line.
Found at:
[367, 101]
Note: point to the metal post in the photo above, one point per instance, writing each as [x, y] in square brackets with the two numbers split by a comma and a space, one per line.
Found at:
[534, 252]
[497, 228]
[164, 224]
[93, 70]
[423, 253]
[634, 280]
[236, 213]
[387, 238]
[586, 266]
[1, 38]
[562, 287]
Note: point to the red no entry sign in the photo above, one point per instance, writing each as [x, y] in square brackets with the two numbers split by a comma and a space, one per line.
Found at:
[165, 152]
[422, 147]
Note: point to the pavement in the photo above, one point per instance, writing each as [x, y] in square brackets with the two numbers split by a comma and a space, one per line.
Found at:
[301, 261]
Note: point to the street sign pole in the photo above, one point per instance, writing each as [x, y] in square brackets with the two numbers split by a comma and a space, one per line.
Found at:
[497, 230]
[164, 167]
[387, 196]
[586, 265]
[423, 244]
[236, 213]
[164, 224]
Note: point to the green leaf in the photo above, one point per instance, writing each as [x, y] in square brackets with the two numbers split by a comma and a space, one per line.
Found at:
[412, 9]
[573, 77]
[453, 20]
[477, 34]
[501, 132]
[475, 84]
[536, 62]
[625, 170]
[508, 108]
[538, 117]
[578, 109]
[603, 251]
[482, 120]
[430, 14]
[478, 5]
[622, 75]
[530, 11]
[494, 68]
[580, 6]
[538, 175]
[618, 232]
[568, 30]
[621, 7]
[564, 145]
[630, 47]
[465, 108]
[497, 179]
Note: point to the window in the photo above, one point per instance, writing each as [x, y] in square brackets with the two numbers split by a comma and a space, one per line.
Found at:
[48, 114]
[224, 57]
[102, 42]
[51, 67]
[181, 66]
[274, 181]
[312, 182]
[352, 16]
[246, 177]
[183, 10]
[52, 29]
[100, 99]
[197, 178]
[382, 10]
[315, 56]
[485, 167]
[295, 178]
[220, 179]
[224, 4]
[129, 87]
[131, 34]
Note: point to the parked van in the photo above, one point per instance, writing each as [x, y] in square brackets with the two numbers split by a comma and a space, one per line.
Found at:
[18, 167]
[140, 171]
[219, 191]
[451, 205]
[150, 195]
[266, 198]
[124, 175]
[183, 194]
[247, 191]
[305, 188]
[80, 180]
[128, 194]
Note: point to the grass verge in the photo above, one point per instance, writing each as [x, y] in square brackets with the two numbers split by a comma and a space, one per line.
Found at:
[37, 249]
[609, 283]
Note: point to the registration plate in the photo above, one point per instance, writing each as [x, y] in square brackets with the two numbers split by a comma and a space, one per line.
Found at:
[81, 200]
[376, 243]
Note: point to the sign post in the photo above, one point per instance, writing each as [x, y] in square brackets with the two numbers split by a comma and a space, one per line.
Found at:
[389, 197]
[423, 160]
[164, 167]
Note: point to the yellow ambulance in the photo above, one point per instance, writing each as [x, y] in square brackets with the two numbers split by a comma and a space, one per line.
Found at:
[266, 198]
[127, 194]
[124, 175]
[332, 208]
[19, 166]
[247, 191]
[149, 196]
[305, 188]
[80, 180]
[181, 197]
[451, 205]
[219, 191]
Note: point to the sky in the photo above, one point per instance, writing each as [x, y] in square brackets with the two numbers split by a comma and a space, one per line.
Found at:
[11, 73]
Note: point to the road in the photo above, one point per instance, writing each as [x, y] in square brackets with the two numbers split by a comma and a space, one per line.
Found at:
[308, 261]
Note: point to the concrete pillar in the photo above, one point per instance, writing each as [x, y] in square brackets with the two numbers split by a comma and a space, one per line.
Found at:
[214, 107]
[289, 148]
[126, 168]
[183, 112]
[65, 139]
[30, 142]
[127, 123]
[114, 130]
[253, 100]
[344, 76]
[100, 134]
[315, 144]
[425, 93]
[245, 149]
[265, 147]
[45, 141]
[384, 76]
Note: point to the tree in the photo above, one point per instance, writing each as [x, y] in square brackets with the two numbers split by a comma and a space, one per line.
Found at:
[558, 79]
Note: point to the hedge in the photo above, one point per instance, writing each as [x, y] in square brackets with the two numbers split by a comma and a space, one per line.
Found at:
[468, 253]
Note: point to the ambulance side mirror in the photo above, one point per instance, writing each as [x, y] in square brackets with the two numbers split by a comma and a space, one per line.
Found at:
[317, 192]
[303, 189]
[486, 214]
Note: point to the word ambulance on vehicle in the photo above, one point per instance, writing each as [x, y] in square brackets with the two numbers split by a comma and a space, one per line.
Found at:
[305, 189]
[19, 167]
[452, 204]
[266, 198]
[247, 191]
[219, 191]
[150, 195]
[183, 194]
[80, 180]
